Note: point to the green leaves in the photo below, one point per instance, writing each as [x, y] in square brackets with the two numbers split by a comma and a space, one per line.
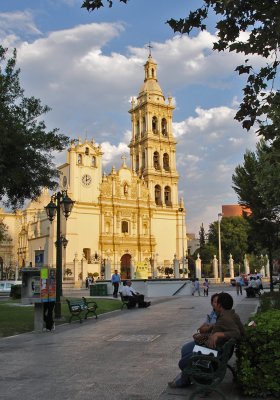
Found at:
[92, 5]
[261, 20]
[26, 147]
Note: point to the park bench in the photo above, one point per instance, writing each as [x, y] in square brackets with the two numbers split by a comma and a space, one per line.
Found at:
[253, 292]
[124, 300]
[79, 306]
[208, 371]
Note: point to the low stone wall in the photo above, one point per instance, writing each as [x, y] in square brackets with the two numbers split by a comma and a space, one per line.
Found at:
[157, 287]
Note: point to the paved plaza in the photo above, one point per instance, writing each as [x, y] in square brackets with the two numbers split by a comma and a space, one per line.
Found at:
[124, 355]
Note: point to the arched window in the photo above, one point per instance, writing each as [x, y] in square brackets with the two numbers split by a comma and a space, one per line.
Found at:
[79, 159]
[93, 161]
[137, 128]
[164, 127]
[158, 200]
[155, 125]
[143, 125]
[143, 160]
[167, 196]
[166, 162]
[153, 72]
[87, 151]
[137, 163]
[156, 160]
[125, 189]
[124, 227]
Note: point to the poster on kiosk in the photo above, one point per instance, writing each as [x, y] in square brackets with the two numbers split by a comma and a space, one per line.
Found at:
[39, 283]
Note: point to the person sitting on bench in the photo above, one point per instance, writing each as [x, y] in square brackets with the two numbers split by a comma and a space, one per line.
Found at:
[128, 292]
[228, 326]
[252, 287]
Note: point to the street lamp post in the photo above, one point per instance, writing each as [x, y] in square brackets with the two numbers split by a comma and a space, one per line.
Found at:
[181, 209]
[220, 246]
[59, 201]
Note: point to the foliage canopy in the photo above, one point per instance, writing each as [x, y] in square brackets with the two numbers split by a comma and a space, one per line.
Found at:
[26, 148]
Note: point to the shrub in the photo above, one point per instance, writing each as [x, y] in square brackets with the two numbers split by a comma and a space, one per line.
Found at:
[15, 292]
[270, 300]
[258, 356]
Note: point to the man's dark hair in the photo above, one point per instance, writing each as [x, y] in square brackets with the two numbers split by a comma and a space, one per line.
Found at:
[213, 296]
[225, 300]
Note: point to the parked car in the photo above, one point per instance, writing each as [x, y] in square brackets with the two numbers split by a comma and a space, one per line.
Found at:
[5, 286]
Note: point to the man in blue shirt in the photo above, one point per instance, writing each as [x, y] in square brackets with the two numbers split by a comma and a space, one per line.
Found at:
[116, 280]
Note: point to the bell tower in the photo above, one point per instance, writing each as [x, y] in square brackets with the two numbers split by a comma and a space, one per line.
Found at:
[153, 147]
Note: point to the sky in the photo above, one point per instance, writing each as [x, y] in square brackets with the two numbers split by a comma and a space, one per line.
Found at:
[87, 66]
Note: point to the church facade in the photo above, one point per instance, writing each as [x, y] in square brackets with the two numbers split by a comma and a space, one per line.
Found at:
[130, 219]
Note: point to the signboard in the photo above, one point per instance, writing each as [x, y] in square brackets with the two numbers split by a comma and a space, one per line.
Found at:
[142, 270]
[39, 258]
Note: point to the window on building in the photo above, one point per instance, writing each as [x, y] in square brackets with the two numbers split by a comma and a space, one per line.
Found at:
[87, 151]
[79, 159]
[155, 125]
[143, 160]
[143, 125]
[124, 227]
[167, 196]
[156, 160]
[166, 162]
[158, 195]
[164, 127]
[137, 164]
[137, 128]
[93, 161]
[107, 227]
[87, 254]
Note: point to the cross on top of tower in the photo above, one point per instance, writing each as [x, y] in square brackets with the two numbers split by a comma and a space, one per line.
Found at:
[123, 157]
[150, 49]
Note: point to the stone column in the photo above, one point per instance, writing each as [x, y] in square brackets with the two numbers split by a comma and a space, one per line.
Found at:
[154, 266]
[198, 267]
[246, 265]
[76, 269]
[176, 267]
[132, 268]
[267, 266]
[215, 267]
[108, 274]
[231, 266]
[84, 271]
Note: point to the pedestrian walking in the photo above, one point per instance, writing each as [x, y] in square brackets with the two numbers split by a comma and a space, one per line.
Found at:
[205, 287]
[196, 287]
[116, 280]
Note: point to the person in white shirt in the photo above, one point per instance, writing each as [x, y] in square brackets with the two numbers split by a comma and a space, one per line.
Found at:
[238, 284]
[133, 296]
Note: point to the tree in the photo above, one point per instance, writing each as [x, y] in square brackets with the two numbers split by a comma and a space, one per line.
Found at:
[234, 237]
[201, 236]
[261, 18]
[26, 148]
[3, 231]
[91, 5]
[256, 183]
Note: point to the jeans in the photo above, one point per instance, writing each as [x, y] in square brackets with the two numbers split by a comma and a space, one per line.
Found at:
[186, 353]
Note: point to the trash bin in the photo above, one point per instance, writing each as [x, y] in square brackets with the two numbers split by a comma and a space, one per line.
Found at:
[98, 289]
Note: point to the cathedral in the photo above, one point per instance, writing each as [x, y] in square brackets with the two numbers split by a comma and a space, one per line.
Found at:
[130, 220]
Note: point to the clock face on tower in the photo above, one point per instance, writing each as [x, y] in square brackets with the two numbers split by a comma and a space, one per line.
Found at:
[86, 179]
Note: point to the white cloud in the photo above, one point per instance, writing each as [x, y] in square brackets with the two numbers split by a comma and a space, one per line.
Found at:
[89, 90]
[17, 22]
